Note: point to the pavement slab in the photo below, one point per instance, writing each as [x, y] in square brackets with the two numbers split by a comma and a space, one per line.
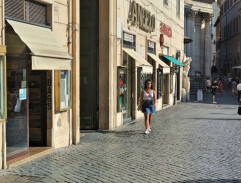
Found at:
[189, 142]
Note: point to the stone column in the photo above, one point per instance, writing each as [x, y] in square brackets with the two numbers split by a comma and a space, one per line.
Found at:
[202, 46]
[191, 32]
[208, 49]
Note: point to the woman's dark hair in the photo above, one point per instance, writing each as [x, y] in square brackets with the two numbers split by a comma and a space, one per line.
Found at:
[148, 80]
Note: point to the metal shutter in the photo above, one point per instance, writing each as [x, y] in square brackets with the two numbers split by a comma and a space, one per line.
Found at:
[36, 12]
[14, 9]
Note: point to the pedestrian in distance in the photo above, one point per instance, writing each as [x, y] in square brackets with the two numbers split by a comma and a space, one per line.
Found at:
[148, 103]
[214, 89]
[208, 85]
[220, 86]
[234, 88]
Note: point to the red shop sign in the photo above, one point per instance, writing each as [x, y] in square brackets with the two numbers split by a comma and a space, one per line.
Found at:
[165, 29]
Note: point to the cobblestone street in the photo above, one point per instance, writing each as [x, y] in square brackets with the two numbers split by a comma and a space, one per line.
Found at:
[189, 142]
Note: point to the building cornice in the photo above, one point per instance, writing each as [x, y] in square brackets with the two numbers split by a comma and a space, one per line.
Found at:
[204, 15]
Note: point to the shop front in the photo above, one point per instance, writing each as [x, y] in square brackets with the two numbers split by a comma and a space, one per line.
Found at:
[130, 78]
[160, 70]
[38, 86]
[174, 79]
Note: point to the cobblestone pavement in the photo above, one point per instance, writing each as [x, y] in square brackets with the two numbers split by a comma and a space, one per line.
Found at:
[189, 142]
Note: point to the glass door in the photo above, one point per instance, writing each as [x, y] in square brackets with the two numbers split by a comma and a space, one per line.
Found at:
[17, 107]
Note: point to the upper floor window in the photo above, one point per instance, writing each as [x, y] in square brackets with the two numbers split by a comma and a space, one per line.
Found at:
[178, 8]
[27, 10]
[166, 2]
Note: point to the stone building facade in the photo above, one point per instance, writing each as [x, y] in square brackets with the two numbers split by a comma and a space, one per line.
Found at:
[198, 16]
[39, 77]
[230, 37]
[126, 50]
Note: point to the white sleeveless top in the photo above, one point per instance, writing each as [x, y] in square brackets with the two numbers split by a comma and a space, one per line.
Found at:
[148, 96]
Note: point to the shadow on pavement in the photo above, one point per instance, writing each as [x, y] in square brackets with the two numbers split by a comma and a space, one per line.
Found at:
[212, 181]
[223, 119]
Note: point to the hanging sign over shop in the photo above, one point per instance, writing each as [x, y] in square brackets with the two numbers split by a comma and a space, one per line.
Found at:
[141, 17]
[165, 29]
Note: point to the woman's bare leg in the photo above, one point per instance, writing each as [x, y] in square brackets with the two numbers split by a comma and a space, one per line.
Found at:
[147, 120]
[150, 118]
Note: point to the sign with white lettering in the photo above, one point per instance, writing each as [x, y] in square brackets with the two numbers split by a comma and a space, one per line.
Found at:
[141, 17]
[128, 37]
[129, 40]
[165, 29]
[151, 46]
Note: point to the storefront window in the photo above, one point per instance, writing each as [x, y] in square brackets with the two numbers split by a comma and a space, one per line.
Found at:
[62, 90]
[159, 83]
[125, 87]
[17, 105]
[122, 88]
[2, 88]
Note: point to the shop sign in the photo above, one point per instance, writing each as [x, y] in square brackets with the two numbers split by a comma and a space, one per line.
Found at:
[128, 37]
[129, 40]
[165, 29]
[151, 46]
[141, 17]
[49, 94]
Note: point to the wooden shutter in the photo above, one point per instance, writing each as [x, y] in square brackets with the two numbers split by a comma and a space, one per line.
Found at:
[14, 9]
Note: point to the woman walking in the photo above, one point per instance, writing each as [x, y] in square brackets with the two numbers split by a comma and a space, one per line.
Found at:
[148, 103]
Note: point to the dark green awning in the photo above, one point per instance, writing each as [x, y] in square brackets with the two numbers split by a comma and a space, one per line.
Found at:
[175, 61]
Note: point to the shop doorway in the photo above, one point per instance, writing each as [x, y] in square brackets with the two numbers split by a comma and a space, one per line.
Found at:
[178, 84]
[26, 96]
[26, 99]
[89, 64]
[37, 108]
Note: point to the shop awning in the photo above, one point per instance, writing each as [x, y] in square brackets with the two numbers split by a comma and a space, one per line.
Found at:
[175, 61]
[140, 61]
[236, 67]
[49, 54]
[166, 68]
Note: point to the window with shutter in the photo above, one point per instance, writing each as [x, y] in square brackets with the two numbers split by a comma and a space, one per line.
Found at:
[26, 10]
[14, 9]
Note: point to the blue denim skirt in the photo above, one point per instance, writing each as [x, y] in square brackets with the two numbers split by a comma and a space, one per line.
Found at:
[148, 106]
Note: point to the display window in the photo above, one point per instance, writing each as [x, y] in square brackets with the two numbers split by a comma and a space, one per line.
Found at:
[125, 87]
[159, 83]
[62, 90]
[2, 89]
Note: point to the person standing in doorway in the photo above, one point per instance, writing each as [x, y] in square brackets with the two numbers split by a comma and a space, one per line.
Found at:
[214, 89]
[148, 103]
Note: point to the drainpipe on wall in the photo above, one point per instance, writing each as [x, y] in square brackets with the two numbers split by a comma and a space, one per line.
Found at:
[4, 145]
[75, 70]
